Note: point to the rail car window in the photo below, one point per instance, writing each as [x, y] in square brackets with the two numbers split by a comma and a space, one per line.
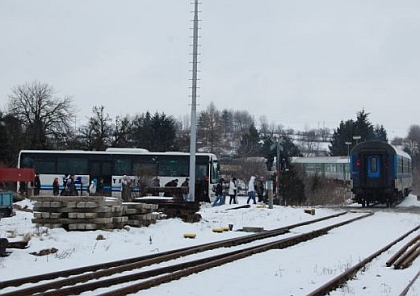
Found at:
[373, 166]
[401, 166]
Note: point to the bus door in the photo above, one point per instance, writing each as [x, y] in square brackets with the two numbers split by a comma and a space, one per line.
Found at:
[102, 172]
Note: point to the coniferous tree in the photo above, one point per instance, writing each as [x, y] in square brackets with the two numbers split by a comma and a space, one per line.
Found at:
[163, 133]
[343, 134]
[380, 133]
[4, 147]
[155, 133]
[250, 143]
[347, 131]
[292, 188]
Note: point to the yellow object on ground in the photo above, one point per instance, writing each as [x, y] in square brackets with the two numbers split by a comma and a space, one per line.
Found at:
[189, 235]
[309, 211]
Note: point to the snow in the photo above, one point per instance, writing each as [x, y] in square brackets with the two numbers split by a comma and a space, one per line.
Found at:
[297, 270]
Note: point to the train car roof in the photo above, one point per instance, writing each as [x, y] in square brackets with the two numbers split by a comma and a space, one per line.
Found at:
[379, 145]
[320, 159]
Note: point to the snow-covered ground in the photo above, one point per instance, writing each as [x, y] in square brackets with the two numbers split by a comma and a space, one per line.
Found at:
[297, 270]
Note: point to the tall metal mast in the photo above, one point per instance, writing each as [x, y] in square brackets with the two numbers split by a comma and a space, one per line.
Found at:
[193, 136]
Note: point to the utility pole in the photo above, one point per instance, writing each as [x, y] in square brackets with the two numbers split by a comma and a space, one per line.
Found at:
[279, 149]
[193, 135]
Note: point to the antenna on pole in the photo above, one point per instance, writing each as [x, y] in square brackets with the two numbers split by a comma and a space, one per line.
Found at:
[193, 133]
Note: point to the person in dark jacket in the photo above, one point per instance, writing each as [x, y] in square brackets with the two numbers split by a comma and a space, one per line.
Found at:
[37, 185]
[219, 193]
[173, 183]
[71, 186]
[185, 189]
[56, 187]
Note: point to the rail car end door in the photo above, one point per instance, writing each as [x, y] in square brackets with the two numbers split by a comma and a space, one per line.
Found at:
[374, 173]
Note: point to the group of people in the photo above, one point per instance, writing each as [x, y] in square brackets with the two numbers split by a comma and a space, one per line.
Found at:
[232, 191]
[69, 186]
[255, 188]
[184, 188]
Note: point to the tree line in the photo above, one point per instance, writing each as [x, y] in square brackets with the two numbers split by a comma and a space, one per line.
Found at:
[37, 118]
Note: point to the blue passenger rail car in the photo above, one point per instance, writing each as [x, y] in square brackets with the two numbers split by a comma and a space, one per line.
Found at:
[380, 173]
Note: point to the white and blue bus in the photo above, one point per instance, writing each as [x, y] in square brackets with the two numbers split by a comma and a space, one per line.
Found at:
[109, 167]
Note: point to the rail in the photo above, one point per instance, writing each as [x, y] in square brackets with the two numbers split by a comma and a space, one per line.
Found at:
[161, 275]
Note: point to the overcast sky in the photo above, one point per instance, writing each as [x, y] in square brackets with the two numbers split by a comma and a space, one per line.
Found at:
[302, 64]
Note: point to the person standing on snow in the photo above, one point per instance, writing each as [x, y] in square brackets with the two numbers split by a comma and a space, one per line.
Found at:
[219, 193]
[232, 191]
[251, 190]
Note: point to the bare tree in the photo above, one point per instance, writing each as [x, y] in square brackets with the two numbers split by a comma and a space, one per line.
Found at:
[96, 135]
[324, 134]
[122, 131]
[242, 121]
[210, 129]
[309, 142]
[268, 130]
[254, 166]
[412, 141]
[44, 116]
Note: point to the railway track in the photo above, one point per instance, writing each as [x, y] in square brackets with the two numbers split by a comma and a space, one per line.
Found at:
[90, 278]
[352, 271]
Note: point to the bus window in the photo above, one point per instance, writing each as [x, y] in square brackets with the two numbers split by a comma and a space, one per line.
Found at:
[214, 172]
[173, 166]
[44, 166]
[95, 168]
[123, 167]
[145, 169]
[78, 166]
[106, 168]
[201, 172]
[26, 162]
